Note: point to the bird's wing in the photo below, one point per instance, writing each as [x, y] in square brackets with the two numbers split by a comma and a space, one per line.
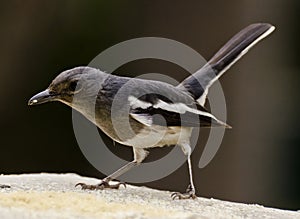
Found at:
[151, 109]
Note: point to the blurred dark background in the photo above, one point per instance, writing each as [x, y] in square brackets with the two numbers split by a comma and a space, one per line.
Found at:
[258, 161]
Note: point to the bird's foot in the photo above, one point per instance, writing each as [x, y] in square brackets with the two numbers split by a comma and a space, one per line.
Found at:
[189, 194]
[178, 195]
[100, 186]
[4, 186]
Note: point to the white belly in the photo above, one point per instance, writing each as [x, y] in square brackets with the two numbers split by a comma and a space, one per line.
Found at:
[158, 136]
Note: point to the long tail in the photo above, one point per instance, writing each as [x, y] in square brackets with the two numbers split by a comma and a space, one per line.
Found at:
[198, 83]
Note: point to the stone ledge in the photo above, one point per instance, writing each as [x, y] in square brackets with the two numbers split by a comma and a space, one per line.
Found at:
[54, 196]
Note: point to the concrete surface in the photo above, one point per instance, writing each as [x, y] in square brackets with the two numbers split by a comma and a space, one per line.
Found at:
[54, 196]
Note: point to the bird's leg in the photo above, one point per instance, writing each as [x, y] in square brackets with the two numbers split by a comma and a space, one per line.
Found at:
[105, 182]
[190, 191]
[139, 156]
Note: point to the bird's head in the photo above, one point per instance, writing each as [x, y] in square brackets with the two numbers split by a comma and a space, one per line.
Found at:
[81, 82]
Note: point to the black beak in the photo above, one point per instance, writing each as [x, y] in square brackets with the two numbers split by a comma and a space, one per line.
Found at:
[42, 97]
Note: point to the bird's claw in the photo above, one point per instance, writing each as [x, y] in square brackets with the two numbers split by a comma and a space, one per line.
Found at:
[100, 186]
[5, 187]
[190, 193]
[178, 195]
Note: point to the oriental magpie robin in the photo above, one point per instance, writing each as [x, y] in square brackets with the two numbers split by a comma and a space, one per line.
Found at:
[158, 114]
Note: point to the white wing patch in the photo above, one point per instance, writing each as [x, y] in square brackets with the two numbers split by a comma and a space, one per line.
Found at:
[142, 118]
[180, 108]
[136, 103]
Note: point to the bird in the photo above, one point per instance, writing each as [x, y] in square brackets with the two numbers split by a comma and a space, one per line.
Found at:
[158, 114]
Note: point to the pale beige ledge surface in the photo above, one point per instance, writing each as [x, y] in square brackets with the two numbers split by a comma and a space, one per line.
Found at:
[54, 196]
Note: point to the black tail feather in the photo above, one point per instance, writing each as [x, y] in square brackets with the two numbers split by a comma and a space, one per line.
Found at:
[198, 83]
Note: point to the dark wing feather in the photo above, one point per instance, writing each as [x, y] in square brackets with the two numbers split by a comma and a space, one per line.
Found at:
[156, 111]
[166, 118]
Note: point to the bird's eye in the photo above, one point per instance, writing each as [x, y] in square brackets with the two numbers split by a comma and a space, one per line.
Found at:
[74, 86]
